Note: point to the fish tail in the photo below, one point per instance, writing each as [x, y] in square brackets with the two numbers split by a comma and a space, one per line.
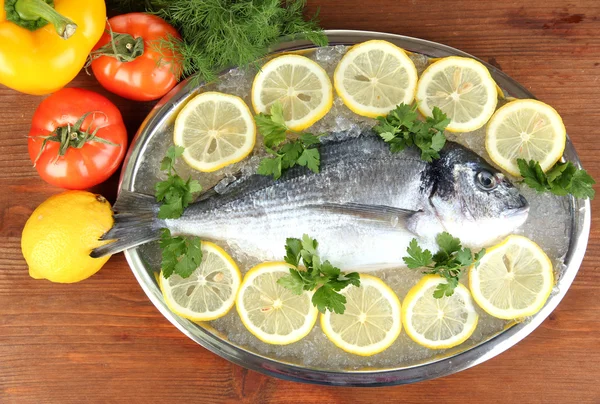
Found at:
[136, 223]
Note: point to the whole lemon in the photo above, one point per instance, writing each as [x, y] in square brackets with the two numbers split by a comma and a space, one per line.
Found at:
[60, 234]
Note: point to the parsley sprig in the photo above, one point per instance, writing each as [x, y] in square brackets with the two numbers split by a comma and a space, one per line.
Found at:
[401, 128]
[449, 262]
[562, 179]
[174, 193]
[286, 154]
[327, 279]
[180, 255]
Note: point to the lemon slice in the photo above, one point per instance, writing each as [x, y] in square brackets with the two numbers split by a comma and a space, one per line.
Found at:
[271, 312]
[462, 88]
[438, 323]
[527, 129]
[513, 279]
[371, 322]
[301, 85]
[375, 76]
[209, 292]
[216, 130]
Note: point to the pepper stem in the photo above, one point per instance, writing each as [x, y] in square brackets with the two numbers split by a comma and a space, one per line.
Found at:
[38, 9]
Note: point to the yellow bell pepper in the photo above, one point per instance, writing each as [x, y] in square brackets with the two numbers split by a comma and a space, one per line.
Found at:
[42, 48]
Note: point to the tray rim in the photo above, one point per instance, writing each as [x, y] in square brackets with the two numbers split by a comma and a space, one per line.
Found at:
[580, 229]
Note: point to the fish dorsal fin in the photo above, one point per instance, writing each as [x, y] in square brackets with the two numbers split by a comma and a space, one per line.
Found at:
[385, 215]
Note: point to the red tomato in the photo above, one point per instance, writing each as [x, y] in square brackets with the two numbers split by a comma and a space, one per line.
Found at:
[148, 76]
[97, 159]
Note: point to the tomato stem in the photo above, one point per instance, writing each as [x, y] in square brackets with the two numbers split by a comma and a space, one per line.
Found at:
[72, 136]
[34, 14]
[123, 47]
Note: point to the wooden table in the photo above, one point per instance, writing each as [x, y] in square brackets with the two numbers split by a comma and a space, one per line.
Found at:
[102, 340]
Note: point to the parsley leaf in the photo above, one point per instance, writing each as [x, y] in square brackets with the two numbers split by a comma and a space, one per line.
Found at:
[327, 279]
[449, 262]
[270, 166]
[174, 193]
[309, 245]
[581, 185]
[445, 289]
[448, 243]
[310, 158]
[417, 258]
[464, 257]
[352, 278]
[180, 255]
[286, 154]
[439, 121]
[532, 175]
[290, 152]
[293, 246]
[562, 179]
[438, 141]
[273, 126]
[309, 139]
[293, 282]
[401, 128]
[168, 162]
[325, 298]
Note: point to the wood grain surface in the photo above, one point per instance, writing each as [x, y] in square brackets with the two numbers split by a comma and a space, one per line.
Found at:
[102, 340]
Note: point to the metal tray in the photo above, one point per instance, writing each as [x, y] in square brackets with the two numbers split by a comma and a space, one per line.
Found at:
[449, 362]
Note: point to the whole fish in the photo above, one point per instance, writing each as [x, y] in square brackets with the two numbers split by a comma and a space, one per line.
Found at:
[364, 206]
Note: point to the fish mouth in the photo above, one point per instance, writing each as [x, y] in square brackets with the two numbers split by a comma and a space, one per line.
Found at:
[521, 210]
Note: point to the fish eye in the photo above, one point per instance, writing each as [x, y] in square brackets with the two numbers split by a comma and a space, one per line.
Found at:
[486, 180]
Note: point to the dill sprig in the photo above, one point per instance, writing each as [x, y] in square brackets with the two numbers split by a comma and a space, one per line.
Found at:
[218, 34]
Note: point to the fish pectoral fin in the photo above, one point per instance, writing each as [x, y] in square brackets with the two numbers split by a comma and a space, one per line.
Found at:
[380, 214]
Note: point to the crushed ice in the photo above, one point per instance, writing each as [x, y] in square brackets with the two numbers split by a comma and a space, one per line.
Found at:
[548, 225]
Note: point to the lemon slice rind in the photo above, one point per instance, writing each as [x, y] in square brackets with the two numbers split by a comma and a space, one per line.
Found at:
[391, 334]
[434, 78]
[492, 256]
[506, 115]
[272, 78]
[208, 289]
[298, 304]
[385, 90]
[205, 135]
[424, 290]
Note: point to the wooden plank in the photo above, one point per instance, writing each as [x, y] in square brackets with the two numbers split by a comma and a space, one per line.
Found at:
[102, 340]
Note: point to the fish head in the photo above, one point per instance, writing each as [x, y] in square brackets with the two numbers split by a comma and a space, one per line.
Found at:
[474, 201]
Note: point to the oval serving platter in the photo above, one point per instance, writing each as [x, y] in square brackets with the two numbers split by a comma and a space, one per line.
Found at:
[445, 363]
